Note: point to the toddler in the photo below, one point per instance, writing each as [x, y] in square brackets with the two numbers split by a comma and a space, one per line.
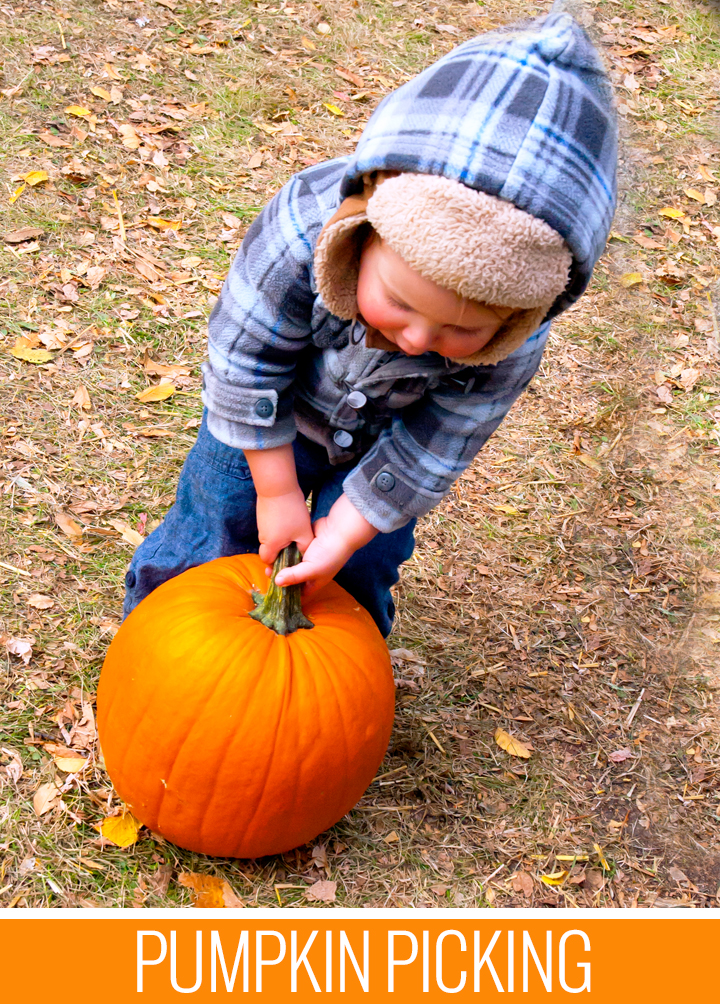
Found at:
[386, 309]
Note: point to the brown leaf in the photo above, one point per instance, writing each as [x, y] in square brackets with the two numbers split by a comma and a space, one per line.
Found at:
[45, 798]
[664, 394]
[21, 647]
[83, 733]
[620, 755]
[81, 399]
[512, 746]
[40, 601]
[52, 139]
[126, 532]
[154, 368]
[322, 891]
[689, 377]
[207, 890]
[522, 882]
[647, 242]
[130, 138]
[68, 525]
[25, 234]
[100, 92]
[95, 275]
[111, 72]
[147, 271]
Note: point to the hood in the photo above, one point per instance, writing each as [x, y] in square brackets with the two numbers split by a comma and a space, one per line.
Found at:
[523, 114]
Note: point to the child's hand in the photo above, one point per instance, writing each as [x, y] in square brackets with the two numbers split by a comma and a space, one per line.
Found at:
[337, 537]
[282, 519]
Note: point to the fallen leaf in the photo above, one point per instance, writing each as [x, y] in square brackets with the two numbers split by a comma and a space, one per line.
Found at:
[154, 368]
[590, 462]
[66, 759]
[693, 193]
[710, 197]
[672, 214]
[95, 275]
[307, 43]
[147, 271]
[21, 647]
[322, 891]
[28, 355]
[230, 899]
[79, 111]
[689, 377]
[207, 890]
[619, 756]
[34, 178]
[68, 525]
[121, 830]
[126, 532]
[555, 878]
[231, 221]
[631, 279]
[333, 109]
[512, 746]
[116, 95]
[648, 243]
[677, 875]
[100, 92]
[158, 224]
[20, 236]
[323, 28]
[439, 890]
[45, 798]
[391, 838]
[40, 601]
[12, 199]
[111, 72]
[160, 392]
[130, 139]
[81, 399]
[522, 882]
[664, 394]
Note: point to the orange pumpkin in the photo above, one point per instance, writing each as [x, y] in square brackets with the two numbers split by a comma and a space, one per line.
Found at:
[231, 739]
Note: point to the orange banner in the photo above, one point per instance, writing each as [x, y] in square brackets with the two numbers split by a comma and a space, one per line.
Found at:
[399, 955]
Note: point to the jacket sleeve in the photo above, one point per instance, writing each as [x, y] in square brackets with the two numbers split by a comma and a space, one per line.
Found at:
[413, 464]
[260, 323]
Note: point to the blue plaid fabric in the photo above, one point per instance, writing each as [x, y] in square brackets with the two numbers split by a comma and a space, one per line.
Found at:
[524, 114]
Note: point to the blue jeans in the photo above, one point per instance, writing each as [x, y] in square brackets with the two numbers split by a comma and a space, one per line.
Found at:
[214, 516]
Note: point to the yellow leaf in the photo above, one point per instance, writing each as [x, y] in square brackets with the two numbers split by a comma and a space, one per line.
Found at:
[693, 193]
[161, 392]
[82, 113]
[510, 510]
[33, 178]
[159, 224]
[17, 193]
[111, 72]
[121, 830]
[207, 890]
[126, 532]
[70, 764]
[556, 878]
[512, 746]
[100, 92]
[28, 355]
[334, 109]
[601, 856]
[307, 43]
[672, 214]
[631, 279]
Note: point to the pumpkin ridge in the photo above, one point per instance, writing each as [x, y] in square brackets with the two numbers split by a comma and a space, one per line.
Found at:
[246, 639]
[281, 714]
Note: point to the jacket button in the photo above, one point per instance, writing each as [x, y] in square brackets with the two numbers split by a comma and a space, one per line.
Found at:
[264, 408]
[356, 399]
[343, 438]
[385, 482]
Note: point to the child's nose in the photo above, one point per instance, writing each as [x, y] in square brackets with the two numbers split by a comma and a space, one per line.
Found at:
[420, 335]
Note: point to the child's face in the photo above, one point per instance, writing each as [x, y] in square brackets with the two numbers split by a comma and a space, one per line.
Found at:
[415, 313]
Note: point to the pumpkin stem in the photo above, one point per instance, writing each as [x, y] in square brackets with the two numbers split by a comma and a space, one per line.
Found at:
[280, 609]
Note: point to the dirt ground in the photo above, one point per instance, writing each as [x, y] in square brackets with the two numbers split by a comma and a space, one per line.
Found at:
[567, 591]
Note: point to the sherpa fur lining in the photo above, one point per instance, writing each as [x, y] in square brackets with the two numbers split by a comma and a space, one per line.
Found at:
[482, 247]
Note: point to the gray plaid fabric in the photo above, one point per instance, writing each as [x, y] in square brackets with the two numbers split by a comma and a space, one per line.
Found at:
[524, 114]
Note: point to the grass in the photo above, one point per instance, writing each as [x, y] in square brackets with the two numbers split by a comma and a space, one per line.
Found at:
[570, 573]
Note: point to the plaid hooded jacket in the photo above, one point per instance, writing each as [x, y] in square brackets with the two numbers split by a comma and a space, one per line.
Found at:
[524, 114]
